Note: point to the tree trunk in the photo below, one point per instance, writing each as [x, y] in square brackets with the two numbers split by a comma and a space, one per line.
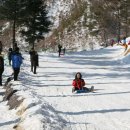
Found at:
[119, 25]
[14, 24]
[126, 19]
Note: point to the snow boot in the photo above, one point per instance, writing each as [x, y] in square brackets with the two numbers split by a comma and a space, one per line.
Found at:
[73, 90]
[91, 89]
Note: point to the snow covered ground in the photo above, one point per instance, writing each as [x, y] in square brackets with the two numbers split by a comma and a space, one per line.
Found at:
[50, 104]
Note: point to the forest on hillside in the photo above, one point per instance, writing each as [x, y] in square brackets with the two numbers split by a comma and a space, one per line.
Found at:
[82, 19]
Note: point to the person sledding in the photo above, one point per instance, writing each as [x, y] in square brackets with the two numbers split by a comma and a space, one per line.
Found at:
[79, 84]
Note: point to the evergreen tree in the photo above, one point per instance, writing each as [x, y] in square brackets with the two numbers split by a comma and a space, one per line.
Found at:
[36, 23]
[13, 11]
[31, 15]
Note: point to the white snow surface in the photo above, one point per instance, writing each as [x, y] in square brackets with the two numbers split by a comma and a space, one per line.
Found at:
[50, 104]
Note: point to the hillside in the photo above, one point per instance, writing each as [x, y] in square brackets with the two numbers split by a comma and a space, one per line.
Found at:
[80, 24]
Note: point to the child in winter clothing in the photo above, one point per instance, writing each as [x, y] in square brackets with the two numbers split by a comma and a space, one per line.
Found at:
[16, 58]
[78, 83]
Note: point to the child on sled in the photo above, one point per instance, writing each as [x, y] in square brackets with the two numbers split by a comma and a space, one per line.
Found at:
[79, 83]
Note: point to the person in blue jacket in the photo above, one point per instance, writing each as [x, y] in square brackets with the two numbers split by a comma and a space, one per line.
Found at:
[16, 58]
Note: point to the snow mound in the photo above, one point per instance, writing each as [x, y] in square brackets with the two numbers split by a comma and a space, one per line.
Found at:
[37, 111]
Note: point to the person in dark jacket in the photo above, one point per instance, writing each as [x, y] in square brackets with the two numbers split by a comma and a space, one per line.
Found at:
[78, 83]
[1, 68]
[16, 58]
[31, 52]
[10, 51]
[34, 60]
[59, 49]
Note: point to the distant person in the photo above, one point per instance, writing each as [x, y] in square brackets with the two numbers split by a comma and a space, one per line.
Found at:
[78, 83]
[59, 49]
[119, 41]
[112, 42]
[32, 53]
[129, 43]
[16, 58]
[10, 51]
[1, 68]
[124, 43]
[34, 60]
[124, 40]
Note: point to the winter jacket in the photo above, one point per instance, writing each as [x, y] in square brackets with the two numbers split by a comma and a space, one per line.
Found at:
[36, 60]
[59, 48]
[32, 53]
[78, 83]
[16, 60]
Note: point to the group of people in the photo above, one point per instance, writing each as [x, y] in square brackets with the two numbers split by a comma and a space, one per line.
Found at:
[122, 42]
[15, 60]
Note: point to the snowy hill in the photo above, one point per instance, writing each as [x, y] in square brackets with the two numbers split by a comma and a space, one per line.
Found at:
[70, 18]
[49, 103]
[69, 26]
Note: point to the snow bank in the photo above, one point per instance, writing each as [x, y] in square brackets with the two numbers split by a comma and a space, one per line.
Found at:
[36, 114]
[48, 99]
[126, 59]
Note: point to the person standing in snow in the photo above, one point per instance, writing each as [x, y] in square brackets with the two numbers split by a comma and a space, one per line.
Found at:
[34, 60]
[16, 58]
[112, 42]
[1, 67]
[78, 83]
[119, 40]
[124, 40]
[59, 49]
[124, 43]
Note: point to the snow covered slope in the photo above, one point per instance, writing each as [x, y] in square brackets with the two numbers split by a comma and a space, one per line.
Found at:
[52, 106]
